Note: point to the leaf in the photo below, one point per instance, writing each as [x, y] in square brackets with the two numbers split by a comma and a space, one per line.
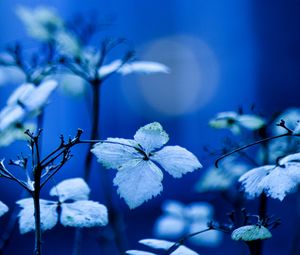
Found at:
[10, 115]
[110, 68]
[136, 252]
[176, 160]
[83, 214]
[146, 67]
[21, 93]
[151, 137]
[251, 233]
[138, 181]
[251, 180]
[288, 158]
[74, 189]
[251, 122]
[115, 152]
[183, 250]
[3, 208]
[157, 243]
[38, 98]
[48, 215]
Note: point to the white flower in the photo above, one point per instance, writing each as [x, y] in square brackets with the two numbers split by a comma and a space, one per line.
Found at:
[144, 67]
[41, 23]
[79, 213]
[234, 121]
[3, 208]
[222, 178]
[251, 233]
[25, 101]
[179, 220]
[139, 177]
[163, 245]
[275, 180]
[291, 117]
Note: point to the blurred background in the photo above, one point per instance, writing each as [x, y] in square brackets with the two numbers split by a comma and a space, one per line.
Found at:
[223, 55]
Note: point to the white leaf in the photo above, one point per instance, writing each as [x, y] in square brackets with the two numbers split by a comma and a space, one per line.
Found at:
[151, 136]
[74, 189]
[157, 243]
[174, 208]
[288, 158]
[176, 160]
[251, 233]
[146, 67]
[3, 208]
[138, 181]
[136, 252]
[83, 214]
[39, 97]
[26, 216]
[13, 133]
[169, 226]
[251, 180]
[281, 181]
[183, 250]
[251, 122]
[11, 115]
[110, 68]
[115, 152]
[21, 93]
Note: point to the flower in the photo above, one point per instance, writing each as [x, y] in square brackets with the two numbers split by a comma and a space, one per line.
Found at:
[222, 178]
[139, 177]
[234, 121]
[179, 220]
[25, 102]
[3, 208]
[41, 23]
[251, 233]
[163, 245]
[79, 213]
[275, 180]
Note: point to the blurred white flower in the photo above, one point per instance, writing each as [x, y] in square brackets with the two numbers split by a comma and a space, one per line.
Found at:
[71, 85]
[251, 233]
[179, 220]
[3, 208]
[234, 121]
[139, 177]
[291, 117]
[76, 209]
[25, 102]
[163, 245]
[222, 178]
[9, 75]
[41, 22]
[275, 180]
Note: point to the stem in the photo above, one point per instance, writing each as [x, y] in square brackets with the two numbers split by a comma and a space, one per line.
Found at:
[253, 248]
[37, 219]
[295, 243]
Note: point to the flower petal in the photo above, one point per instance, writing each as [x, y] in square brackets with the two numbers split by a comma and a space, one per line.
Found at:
[109, 68]
[176, 160]
[11, 115]
[83, 214]
[138, 181]
[75, 189]
[114, 152]
[151, 137]
[136, 252]
[146, 67]
[157, 243]
[21, 93]
[3, 208]
[49, 215]
[169, 227]
[251, 122]
[251, 180]
[251, 233]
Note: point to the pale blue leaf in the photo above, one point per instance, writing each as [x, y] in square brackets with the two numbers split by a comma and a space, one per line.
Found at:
[83, 214]
[251, 233]
[73, 189]
[145, 67]
[115, 152]
[151, 137]
[138, 181]
[48, 214]
[176, 160]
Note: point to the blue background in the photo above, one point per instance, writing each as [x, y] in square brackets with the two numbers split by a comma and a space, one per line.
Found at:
[228, 53]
